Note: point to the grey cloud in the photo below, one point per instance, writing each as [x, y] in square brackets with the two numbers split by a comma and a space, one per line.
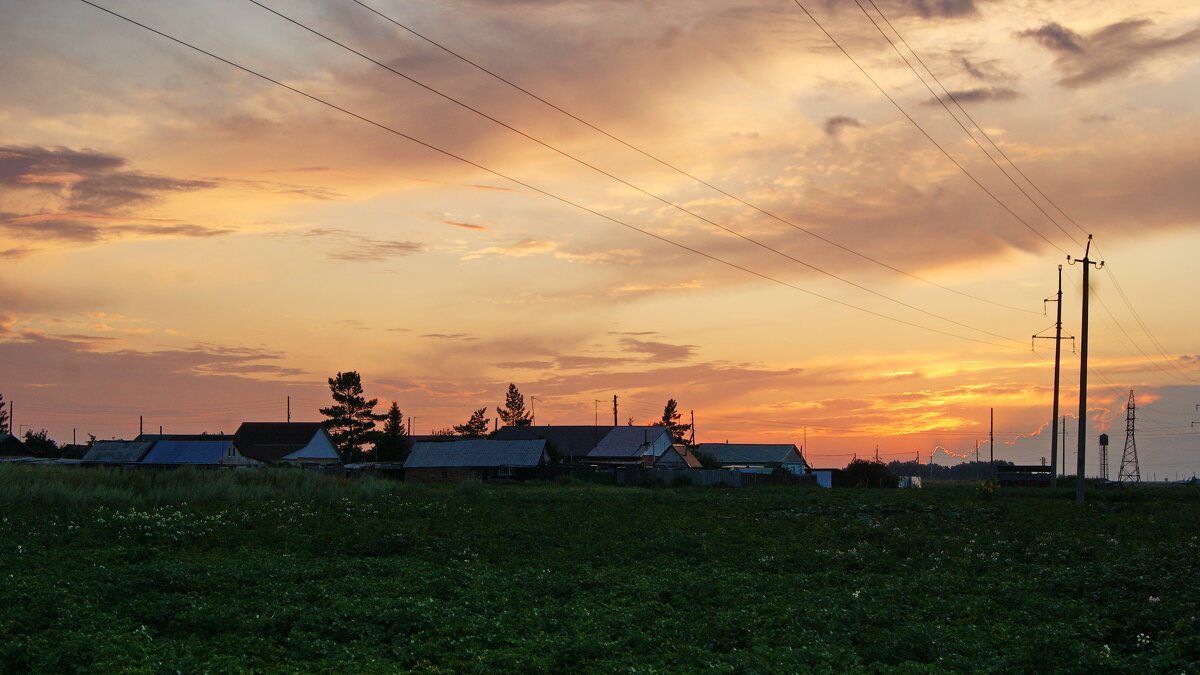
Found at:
[1108, 52]
[450, 336]
[1055, 37]
[80, 232]
[116, 192]
[659, 351]
[976, 95]
[941, 8]
[361, 248]
[17, 162]
[838, 123]
[16, 253]
[467, 226]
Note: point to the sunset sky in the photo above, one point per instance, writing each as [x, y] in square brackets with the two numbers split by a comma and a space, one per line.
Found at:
[182, 240]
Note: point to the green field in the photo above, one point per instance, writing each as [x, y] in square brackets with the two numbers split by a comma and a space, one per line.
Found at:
[283, 571]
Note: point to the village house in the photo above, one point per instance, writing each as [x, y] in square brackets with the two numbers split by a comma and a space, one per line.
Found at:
[596, 445]
[678, 456]
[198, 450]
[476, 459]
[118, 452]
[761, 456]
[286, 443]
[11, 446]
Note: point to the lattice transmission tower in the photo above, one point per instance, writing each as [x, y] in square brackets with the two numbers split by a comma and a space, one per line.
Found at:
[1129, 460]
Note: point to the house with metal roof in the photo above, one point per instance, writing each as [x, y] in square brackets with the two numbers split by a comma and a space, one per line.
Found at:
[476, 459]
[286, 442]
[118, 452]
[192, 450]
[597, 445]
[11, 446]
[678, 456]
[755, 455]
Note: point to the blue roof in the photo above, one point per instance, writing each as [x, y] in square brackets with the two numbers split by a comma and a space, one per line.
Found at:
[188, 452]
[633, 442]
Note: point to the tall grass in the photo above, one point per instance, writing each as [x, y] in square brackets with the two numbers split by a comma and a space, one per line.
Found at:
[52, 487]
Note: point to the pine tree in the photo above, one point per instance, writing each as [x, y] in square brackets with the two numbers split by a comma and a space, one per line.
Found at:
[513, 414]
[3, 416]
[392, 444]
[352, 418]
[476, 427]
[670, 420]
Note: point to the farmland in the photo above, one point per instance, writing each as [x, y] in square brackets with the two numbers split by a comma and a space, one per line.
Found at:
[283, 571]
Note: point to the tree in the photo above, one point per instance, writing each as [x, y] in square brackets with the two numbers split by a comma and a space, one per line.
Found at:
[392, 444]
[352, 417]
[40, 445]
[513, 414]
[476, 427]
[3, 416]
[670, 420]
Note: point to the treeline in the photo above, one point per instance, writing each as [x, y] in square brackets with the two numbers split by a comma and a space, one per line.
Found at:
[966, 471]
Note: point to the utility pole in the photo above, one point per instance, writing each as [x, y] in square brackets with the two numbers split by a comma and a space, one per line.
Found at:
[693, 426]
[976, 459]
[596, 412]
[533, 411]
[1083, 353]
[1063, 445]
[1130, 472]
[614, 410]
[289, 409]
[992, 441]
[139, 425]
[1058, 338]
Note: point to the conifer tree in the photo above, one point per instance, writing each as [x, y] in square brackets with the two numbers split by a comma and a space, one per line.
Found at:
[393, 443]
[476, 427]
[352, 417]
[513, 414]
[670, 420]
[3, 416]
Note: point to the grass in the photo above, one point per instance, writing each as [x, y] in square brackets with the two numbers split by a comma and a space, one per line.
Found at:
[286, 571]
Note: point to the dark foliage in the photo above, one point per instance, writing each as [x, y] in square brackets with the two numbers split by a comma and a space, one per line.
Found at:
[352, 417]
[393, 443]
[476, 427]
[514, 414]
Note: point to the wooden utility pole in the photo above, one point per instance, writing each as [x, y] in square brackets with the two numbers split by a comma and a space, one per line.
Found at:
[992, 441]
[1058, 338]
[289, 409]
[614, 410]
[1083, 353]
[693, 426]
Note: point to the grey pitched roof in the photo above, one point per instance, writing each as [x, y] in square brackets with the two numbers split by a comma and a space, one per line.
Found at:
[188, 452]
[117, 451]
[568, 441]
[751, 453]
[476, 453]
[632, 442]
[270, 441]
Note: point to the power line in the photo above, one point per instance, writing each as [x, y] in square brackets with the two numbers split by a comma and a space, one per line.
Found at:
[930, 138]
[528, 186]
[1008, 160]
[620, 180]
[674, 167]
[950, 112]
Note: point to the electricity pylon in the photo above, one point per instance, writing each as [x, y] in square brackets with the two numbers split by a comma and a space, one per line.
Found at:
[1129, 460]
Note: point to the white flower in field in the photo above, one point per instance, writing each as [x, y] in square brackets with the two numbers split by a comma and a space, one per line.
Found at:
[856, 594]
[1143, 639]
[1153, 598]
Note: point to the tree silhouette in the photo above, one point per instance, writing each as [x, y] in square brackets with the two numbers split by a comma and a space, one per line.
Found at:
[513, 414]
[392, 444]
[3, 416]
[670, 420]
[40, 444]
[352, 417]
[476, 427]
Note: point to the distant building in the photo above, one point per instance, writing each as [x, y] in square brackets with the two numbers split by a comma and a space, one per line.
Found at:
[197, 450]
[118, 452]
[756, 455]
[475, 459]
[286, 442]
[1027, 475]
[596, 445]
[678, 456]
[11, 446]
